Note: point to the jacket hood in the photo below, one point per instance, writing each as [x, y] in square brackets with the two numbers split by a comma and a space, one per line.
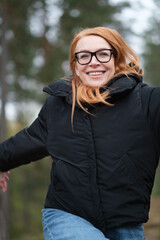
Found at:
[119, 86]
[122, 85]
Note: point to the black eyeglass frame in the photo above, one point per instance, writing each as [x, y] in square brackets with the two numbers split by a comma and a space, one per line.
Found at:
[94, 54]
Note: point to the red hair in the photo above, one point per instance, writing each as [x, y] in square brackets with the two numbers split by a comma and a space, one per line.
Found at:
[123, 55]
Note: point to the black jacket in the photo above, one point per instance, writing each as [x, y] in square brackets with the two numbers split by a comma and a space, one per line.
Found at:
[103, 170]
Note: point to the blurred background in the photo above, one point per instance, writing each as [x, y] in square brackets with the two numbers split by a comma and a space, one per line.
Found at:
[35, 40]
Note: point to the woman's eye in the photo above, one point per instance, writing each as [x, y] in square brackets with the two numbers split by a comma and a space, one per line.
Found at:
[104, 54]
[84, 56]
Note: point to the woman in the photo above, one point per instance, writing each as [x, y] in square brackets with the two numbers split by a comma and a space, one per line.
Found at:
[101, 128]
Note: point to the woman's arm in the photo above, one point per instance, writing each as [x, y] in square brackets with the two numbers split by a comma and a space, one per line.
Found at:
[151, 106]
[26, 146]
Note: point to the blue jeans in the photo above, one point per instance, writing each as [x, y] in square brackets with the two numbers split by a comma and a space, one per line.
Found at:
[61, 225]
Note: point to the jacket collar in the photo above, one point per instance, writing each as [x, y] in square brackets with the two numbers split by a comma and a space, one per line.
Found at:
[119, 86]
[60, 88]
[122, 85]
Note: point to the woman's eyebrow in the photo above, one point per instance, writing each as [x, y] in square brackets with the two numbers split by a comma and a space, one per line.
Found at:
[86, 50]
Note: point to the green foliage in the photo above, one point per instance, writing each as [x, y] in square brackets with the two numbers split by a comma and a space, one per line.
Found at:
[28, 187]
[82, 14]
[151, 55]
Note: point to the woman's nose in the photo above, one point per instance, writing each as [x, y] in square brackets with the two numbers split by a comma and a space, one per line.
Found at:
[94, 61]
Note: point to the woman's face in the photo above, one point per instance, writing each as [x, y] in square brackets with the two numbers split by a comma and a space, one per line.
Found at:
[94, 73]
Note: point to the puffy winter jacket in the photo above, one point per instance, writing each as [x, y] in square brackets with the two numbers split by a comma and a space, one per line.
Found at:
[103, 169]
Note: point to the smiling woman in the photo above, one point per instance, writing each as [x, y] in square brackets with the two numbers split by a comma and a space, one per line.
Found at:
[95, 61]
[104, 161]
[90, 71]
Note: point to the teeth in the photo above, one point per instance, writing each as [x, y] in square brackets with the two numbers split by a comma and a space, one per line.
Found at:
[95, 73]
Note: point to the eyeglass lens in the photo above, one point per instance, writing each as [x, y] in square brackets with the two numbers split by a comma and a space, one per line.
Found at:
[101, 55]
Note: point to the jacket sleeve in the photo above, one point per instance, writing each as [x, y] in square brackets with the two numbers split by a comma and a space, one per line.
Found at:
[151, 102]
[26, 146]
[154, 110]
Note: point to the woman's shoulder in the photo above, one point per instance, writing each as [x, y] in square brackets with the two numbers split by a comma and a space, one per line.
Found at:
[149, 92]
[58, 88]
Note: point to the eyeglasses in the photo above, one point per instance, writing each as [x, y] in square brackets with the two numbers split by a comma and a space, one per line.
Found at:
[102, 55]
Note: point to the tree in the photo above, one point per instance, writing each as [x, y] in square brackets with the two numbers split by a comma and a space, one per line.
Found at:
[3, 124]
[152, 48]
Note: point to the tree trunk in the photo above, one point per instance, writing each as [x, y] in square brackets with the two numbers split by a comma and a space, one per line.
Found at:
[3, 127]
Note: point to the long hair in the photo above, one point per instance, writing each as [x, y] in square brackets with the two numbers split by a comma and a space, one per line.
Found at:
[125, 60]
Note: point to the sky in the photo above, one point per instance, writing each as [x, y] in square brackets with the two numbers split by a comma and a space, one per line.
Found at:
[140, 11]
[137, 18]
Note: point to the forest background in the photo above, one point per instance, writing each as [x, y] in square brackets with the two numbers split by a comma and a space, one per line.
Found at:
[35, 40]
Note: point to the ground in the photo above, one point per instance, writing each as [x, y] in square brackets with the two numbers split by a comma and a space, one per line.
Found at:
[152, 228]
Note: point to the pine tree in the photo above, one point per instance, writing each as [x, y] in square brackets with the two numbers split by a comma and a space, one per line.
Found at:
[152, 48]
[3, 122]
